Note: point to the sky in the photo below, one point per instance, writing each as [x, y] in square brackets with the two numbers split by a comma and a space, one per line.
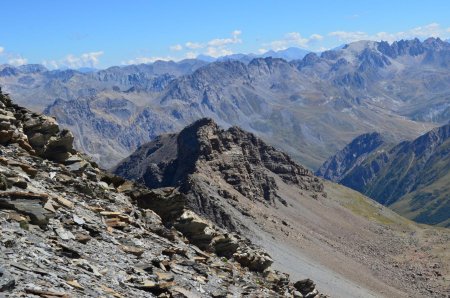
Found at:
[102, 33]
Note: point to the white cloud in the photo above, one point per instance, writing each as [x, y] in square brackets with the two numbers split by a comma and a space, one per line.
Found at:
[294, 39]
[219, 42]
[91, 59]
[50, 64]
[141, 60]
[191, 55]
[17, 61]
[353, 16]
[316, 37]
[430, 30]
[2, 49]
[193, 45]
[215, 47]
[319, 42]
[217, 52]
[348, 36]
[176, 47]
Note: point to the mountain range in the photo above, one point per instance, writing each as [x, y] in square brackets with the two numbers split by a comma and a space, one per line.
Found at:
[310, 107]
[412, 177]
[288, 54]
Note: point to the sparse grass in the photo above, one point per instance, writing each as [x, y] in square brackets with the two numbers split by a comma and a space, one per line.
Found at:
[24, 225]
[365, 207]
[416, 185]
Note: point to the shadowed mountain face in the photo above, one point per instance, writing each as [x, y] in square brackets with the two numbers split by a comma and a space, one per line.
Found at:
[344, 241]
[412, 177]
[337, 166]
[309, 108]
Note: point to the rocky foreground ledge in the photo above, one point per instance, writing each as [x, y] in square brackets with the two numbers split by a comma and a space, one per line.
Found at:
[69, 229]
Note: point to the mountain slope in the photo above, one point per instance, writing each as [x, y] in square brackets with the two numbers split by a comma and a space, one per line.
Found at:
[309, 108]
[411, 177]
[337, 166]
[348, 244]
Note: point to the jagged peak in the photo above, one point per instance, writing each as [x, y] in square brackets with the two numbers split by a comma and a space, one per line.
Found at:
[267, 60]
[32, 68]
[200, 123]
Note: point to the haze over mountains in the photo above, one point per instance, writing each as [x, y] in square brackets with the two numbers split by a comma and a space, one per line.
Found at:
[288, 54]
[310, 107]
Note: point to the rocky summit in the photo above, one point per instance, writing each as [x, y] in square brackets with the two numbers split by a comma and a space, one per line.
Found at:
[203, 156]
[69, 229]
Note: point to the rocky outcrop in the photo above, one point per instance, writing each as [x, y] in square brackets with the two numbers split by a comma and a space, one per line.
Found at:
[203, 151]
[170, 205]
[70, 229]
[39, 135]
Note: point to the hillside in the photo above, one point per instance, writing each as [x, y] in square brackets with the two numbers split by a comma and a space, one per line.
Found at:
[350, 245]
[412, 177]
[352, 155]
[309, 108]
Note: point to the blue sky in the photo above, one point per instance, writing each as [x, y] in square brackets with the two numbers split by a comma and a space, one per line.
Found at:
[100, 33]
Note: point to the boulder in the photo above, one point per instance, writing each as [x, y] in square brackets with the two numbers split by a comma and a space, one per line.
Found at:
[306, 287]
[253, 258]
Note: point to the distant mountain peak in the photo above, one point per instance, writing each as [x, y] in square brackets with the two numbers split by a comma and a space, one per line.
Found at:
[288, 54]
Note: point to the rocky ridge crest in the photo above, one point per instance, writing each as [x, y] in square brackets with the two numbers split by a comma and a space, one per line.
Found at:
[211, 166]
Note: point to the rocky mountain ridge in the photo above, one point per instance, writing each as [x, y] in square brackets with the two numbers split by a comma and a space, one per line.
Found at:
[237, 157]
[309, 108]
[411, 177]
[68, 228]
